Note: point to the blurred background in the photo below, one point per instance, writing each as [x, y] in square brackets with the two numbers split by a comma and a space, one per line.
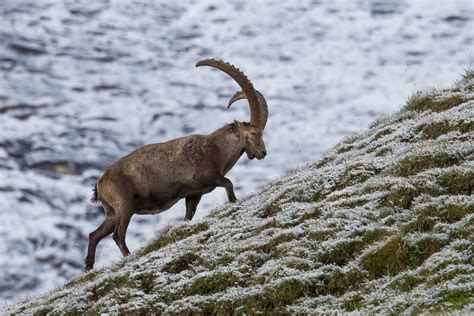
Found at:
[83, 83]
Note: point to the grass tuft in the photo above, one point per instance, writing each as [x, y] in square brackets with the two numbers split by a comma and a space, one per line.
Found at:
[342, 252]
[108, 285]
[171, 235]
[271, 210]
[457, 181]
[355, 302]
[217, 282]
[397, 255]
[182, 263]
[420, 101]
[146, 282]
[413, 164]
[406, 283]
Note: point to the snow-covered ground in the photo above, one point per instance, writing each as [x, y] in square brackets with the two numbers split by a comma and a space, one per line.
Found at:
[83, 83]
[382, 224]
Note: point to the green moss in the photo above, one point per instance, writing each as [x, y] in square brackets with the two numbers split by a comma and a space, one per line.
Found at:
[146, 282]
[340, 282]
[447, 276]
[323, 161]
[171, 235]
[396, 255]
[271, 210]
[381, 133]
[275, 297]
[313, 194]
[383, 151]
[342, 252]
[465, 127]
[270, 224]
[320, 234]
[82, 279]
[313, 213]
[436, 129]
[465, 232]
[399, 196]
[375, 234]
[344, 148]
[433, 130]
[255, 260]
[298, 264]
[420, 224]
[414, 164]
[163, 240]
[43, 311]
[458, 181]
[181, 263]
[354, 202]
[208, 284]
[354, 174]
[451, 299]
[121, 296]
[447, 211]
[225, 259]
[406, 283]
[271, 246]
[107, 286]
[355, 302]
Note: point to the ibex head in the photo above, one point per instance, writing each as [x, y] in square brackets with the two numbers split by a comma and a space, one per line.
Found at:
[251, 132]
[253, 137]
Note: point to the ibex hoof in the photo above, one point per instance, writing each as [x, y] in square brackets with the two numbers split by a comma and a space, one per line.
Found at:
[87, 268]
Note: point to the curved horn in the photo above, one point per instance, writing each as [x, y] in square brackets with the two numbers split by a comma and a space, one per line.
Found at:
[261, 101]
[236, 97]
[244, 83]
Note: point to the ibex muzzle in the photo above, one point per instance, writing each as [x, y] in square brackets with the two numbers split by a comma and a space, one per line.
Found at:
[153, 178]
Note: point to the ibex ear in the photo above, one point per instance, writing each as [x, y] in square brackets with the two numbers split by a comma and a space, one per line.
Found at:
[238, 124]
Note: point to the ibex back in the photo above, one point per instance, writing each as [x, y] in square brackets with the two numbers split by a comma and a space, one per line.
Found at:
[153, 178]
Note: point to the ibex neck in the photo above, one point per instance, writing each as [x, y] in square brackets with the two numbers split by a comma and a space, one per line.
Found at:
[231, 147]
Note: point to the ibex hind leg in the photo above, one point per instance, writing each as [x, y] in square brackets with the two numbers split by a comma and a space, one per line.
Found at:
[124, 214]
[118, 195]
[105, 229]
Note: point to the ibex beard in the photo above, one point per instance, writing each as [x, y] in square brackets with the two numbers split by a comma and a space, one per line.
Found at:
[153, 178]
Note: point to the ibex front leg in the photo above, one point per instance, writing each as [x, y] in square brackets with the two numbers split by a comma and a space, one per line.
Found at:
[213, 178]
[191, 205]
[229, 188]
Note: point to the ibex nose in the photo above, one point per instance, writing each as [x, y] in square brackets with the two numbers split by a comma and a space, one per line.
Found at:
[264, 153]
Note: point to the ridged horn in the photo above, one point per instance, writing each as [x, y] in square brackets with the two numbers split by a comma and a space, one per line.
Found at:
[236, 97]
[243, 82]
[261, 101]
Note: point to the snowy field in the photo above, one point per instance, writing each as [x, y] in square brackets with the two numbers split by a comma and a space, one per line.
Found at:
[83, 83]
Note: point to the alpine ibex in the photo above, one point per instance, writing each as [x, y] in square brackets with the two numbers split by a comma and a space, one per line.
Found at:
[153, 178]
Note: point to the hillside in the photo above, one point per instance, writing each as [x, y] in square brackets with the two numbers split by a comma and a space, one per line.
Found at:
[83, 83]
[382, 223]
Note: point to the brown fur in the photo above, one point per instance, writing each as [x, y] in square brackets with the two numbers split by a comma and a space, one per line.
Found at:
[153, 178]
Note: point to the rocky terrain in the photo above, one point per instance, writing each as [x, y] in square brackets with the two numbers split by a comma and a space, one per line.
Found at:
[383, 223]
[82, 83]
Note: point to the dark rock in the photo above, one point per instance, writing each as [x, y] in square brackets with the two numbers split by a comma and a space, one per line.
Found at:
[28, 48]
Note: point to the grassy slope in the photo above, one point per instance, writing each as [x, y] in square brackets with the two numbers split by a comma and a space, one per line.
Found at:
[383, 222]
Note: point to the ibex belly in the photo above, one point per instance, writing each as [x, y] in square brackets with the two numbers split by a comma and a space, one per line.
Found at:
[153, 205]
